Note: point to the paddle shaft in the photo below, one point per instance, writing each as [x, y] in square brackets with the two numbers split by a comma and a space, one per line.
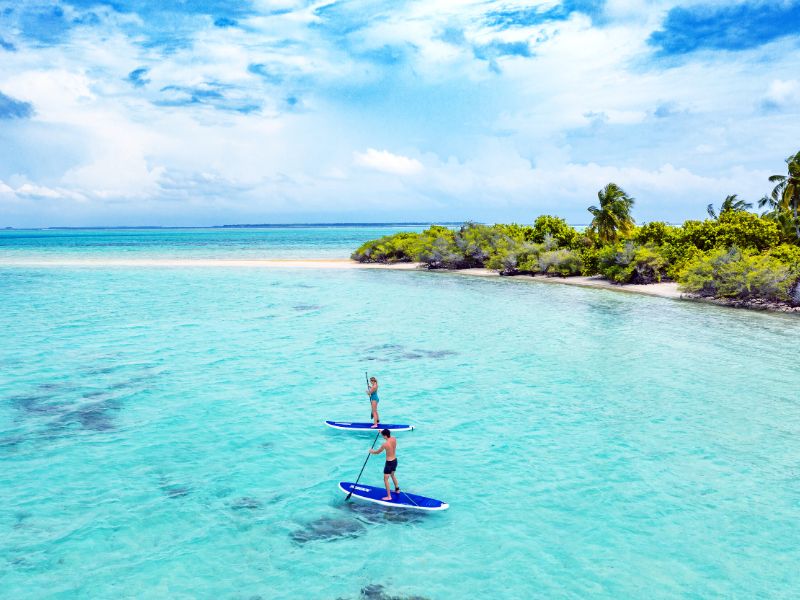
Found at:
[366, 376]
[371, 415]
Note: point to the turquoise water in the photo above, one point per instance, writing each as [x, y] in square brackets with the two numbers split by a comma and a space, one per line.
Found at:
[242, 243]
[161, 437]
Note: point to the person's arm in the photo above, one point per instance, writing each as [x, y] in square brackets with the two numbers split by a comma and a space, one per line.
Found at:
[371, 389]
[379, 450]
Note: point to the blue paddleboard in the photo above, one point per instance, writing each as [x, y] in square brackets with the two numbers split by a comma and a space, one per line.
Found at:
[350, 426]
[374, 494]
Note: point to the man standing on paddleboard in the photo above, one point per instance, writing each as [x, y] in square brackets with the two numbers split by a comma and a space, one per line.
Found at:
[390, 446]
[372, 392]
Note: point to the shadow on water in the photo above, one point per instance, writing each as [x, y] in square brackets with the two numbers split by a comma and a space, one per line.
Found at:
[175, 490]
[132, 382]
[376, 591]
[11, 442]
[172, 489]
[352, 522]
[306, 307]
[62, 407]
[101, 370]
[91, 412]
[377, 514]
[20, 519]
[51, 386]
[396, 352]
[246, 503]
[95, 417]
[327, 529]
[35, 404]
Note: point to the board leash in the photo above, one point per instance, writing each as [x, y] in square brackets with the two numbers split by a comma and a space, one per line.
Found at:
[410, 498]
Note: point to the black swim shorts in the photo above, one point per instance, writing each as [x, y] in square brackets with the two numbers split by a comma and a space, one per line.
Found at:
[390, 466]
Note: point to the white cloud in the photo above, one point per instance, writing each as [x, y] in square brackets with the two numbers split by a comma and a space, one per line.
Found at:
[479, 140]
[6, 190]
[386, 162]
[40, 191]
[29, 189]
[782, 94]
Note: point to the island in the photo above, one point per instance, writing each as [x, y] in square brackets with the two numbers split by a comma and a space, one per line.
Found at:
[734, 257]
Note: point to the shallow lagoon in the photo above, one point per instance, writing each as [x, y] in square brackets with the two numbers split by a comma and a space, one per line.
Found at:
[161, 436]
[272, 242]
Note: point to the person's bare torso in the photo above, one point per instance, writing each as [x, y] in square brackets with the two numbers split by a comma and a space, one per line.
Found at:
[391, 448]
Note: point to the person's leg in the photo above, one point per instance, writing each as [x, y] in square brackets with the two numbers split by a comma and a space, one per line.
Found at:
[388, 490]
[374, 415]
[396, 485]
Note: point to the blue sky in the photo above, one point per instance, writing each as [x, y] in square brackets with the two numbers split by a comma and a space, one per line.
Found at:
[128, 112]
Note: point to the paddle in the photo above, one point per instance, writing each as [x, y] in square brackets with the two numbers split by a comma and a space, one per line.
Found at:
[368, 454]
[366, 376]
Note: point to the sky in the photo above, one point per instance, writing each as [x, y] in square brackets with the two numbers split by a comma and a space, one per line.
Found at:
[159, 112]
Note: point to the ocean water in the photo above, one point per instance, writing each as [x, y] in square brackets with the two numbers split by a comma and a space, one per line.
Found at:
[280, 242]
[161, 436]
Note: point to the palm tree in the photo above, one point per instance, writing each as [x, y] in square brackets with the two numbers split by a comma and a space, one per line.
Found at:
[786, 194]
[614, 215]
[782, 218]
[732, 203]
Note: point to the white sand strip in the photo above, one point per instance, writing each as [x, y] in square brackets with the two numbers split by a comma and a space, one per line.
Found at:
[321, 263]
[665, 289]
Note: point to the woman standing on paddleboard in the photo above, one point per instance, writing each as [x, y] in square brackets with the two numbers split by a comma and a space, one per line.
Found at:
[372, 392]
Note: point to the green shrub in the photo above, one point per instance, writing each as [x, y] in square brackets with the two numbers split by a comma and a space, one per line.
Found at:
[479, 242]
[700, 234]
[475, 243]
[399, 247]
[681, 245]
[504, 255]
[735, 274]
[512, 257]
[788, 254]
[519, 233]
[678, 256]
[733, 228]
[590, 259]
[436, 247]
[558, 229]
[563, 262]
[629, 263]
[746, 230]
[656, 233]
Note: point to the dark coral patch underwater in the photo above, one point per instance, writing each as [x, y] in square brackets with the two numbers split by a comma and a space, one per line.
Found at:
[327, 529]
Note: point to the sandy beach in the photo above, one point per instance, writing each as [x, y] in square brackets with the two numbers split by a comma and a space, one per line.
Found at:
[315, 263]
[666, 289]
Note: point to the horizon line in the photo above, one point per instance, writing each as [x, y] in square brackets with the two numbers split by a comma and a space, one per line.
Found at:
[252, 225]
[235, 225]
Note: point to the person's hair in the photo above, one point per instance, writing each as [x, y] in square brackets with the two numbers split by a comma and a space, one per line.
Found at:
[373, 379]
[386, 433]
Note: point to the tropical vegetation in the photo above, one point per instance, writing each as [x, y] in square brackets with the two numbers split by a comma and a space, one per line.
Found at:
[735, 253]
